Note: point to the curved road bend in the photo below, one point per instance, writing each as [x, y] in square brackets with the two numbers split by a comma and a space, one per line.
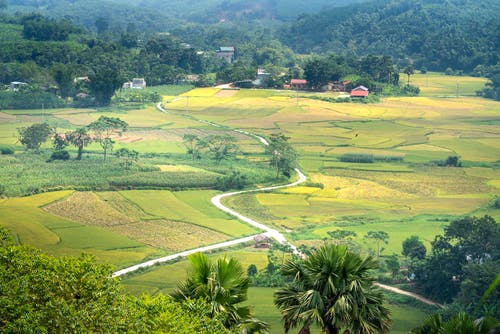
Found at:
[269, 232]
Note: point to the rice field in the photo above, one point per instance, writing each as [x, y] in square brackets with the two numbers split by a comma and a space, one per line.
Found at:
[408, 194]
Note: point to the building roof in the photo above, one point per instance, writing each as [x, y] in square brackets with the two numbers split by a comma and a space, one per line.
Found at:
[359, 93]
[226, 49]
[298, 82]
[361, 88]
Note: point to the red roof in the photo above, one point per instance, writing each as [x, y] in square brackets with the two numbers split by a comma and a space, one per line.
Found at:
[298, 82]
[359, 93]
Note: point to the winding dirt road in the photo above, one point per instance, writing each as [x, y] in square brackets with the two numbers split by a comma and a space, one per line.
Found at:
[270, 232]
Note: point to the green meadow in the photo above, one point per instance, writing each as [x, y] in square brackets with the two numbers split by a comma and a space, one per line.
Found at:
[162, 205]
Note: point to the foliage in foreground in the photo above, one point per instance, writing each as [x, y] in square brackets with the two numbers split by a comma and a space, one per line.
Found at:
[332, 288]
[223, 285]
[43, 294]
[459, 324]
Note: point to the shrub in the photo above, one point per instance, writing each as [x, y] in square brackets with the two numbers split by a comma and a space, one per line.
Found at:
[411, 90]
[357, 158]
[235, 180]
[59, 155]
[497, 203]
[6, 150]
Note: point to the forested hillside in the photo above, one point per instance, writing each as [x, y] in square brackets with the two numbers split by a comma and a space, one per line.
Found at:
[456, 34]
[158, 15]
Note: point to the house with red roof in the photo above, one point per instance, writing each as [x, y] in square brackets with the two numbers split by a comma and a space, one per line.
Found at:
[298, 84]
[360, 91]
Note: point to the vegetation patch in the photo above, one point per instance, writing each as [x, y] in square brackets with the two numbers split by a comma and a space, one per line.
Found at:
[87, 208]
[170, 235]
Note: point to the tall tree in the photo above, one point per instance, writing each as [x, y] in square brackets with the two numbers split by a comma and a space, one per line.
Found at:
[33, 136]
[79, 138]
[63, 75]
[380, 238]
[414, 248]
[332, 288]
[222, 284]
[103, 84]
[193, 144]
[283, 155]
[104, 129]
[409, 71]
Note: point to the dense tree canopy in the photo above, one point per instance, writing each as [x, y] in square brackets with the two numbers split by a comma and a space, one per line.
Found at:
[463, 262]
[43, 294]
[33, 136]
[435, 34]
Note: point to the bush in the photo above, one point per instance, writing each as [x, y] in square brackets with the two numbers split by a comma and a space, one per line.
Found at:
[59, 155]
[235, 180]
[451, 161]
[6, 150]
[29, 98]
[357, 158]
[410, 90]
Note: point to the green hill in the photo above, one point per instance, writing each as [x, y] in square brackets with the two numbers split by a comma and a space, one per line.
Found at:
[459, 34]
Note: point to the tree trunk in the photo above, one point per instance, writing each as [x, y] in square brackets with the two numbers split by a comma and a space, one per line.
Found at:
[330, 329]
[80, 151]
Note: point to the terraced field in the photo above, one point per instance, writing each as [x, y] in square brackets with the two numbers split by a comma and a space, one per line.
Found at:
[406, 194]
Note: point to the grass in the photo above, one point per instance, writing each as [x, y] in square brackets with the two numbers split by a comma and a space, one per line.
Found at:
[437, 84]
[165, 204]
[164, 278]
[57, 235]
[404, 318]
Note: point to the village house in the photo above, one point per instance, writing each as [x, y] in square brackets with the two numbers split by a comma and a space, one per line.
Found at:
[15, 85]
[360, 91]
[298, 84]
[262, 78]
[226, 52]
[136, 83]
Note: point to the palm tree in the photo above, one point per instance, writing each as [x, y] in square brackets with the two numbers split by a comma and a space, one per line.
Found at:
[223, 285]
[333, 289]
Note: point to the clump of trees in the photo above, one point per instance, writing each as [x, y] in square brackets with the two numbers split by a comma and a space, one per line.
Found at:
[461, 265]
[44, 294]
[218, 147]
[101, 131]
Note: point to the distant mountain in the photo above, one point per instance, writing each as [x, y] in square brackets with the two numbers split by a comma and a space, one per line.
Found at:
[233, 10]
[437, 34]
[160, 15]
[118, 14]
